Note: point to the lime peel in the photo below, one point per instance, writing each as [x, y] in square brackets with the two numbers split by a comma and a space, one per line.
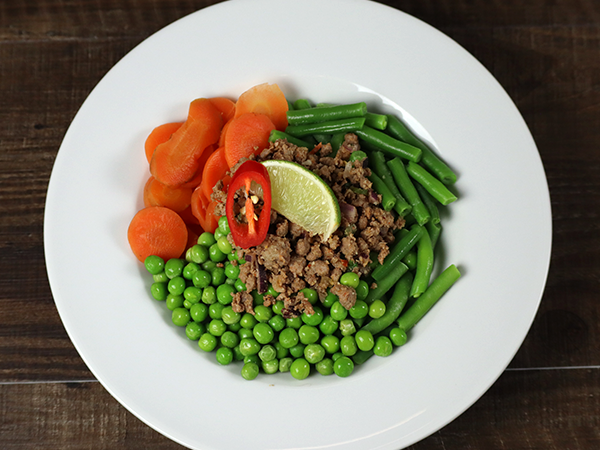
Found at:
[302, 197]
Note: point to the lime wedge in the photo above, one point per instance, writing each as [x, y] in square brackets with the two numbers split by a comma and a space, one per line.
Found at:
[303, 197]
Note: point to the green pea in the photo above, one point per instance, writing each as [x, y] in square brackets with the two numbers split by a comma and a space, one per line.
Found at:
[189, 269]
[235, 327]
[245, 333]
[229, 316]
[251, 359]
[215, 254]
[218, 276]
[206, 239]
[209, 266]
[359, 310]
[154, 264]
[160, 278]
[249, 347]
[176, 285]
[288, 337]
[194, 330]
[331, 344]
[174, 267]
[223, 225]
[198, 254]
[192, 294]
[199, 312]
[358, 155]
[209, 295]
[207, 342]
[285, 364]
[300, 369]
[224, 245]
[364, 340]
[328, 325]
[343, 366]
[262, 313]
[267, 353]
[362, 291]
[347, 327]
[336, 355]
[232, 256]
[250, 371]
[297, 351]
[217, 327]
[258, 298]
[313, 319]
[237, 354]
[201, 279]
[348, 346]
[308, 334]
[325, 366]
[232, 272]
[270, 367]
[224, 356]
[294, 322]
[239, 285]
[338, 312]
[314, 353]
[174, 301]
[398, 336]
[218, 234]
[248, 321]
[187, 304]
[278, 307]
[230, 339]
[329, 300]
[282, 352]
[188, 255]
[263, 333]
[377, 309]
[272, 291]
[230, 281]
[350, 279]
[225, 294]
[311, 295]
[215, 311]
[159, 291]
[277, 323]
[383, 346]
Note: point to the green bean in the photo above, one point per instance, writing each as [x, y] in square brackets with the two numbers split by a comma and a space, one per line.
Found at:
[411, 259]
[429, 298]
[394, 306]
[362, 356]
[290, 105]
[322, 138]
[387, 198]
[434, 230]
[434, 186]
[388, 144]
[429, 203]
[384, 284]
[276, 134]
[430, 160]
[301, 103]
[333, 126]
[378, 165]
[377, 121]
[408, 190]
[326, 113]
[424, 265]
[337, 139]
[398, 252]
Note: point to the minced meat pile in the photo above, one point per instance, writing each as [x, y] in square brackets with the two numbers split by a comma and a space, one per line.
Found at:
[290, 259]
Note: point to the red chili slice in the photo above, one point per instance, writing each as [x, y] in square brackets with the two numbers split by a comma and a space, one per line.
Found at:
[254, 232]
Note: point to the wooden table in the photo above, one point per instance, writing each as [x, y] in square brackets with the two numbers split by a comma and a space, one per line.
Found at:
[545, 53]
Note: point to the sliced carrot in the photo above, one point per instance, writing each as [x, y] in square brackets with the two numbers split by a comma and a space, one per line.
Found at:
[223, 133]
[159, 135]
[188, 217]
[211, 221]
[264, 99]
[158, 194]
[214, 170]
[192, 237]
[225, 106]
[246, 135]
[203, 210]
[195, 182]
[157, 231]
[176, 161]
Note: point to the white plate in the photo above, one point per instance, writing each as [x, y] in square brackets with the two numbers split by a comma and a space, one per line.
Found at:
[498, 233]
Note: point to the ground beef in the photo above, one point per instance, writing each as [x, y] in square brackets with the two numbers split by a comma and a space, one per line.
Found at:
[291, 259]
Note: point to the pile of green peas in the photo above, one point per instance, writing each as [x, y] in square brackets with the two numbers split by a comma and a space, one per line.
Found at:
[198, 290]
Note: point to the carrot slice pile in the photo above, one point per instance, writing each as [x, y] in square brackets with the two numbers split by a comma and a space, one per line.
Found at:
[246, 135]
[175, 162]
[264, 99]
[158, 194]
[225, 106]
[157, 230]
